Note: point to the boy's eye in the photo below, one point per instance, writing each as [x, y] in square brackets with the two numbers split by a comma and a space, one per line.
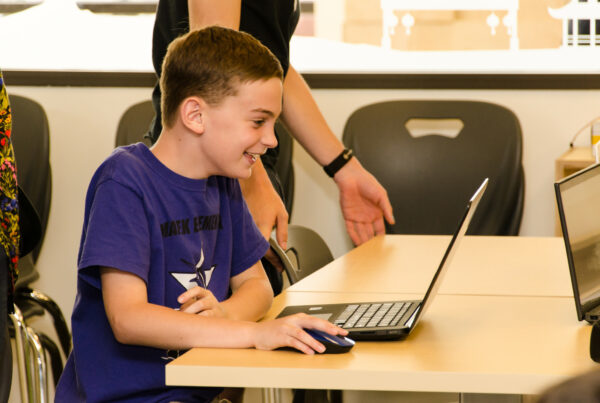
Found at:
[259, 122]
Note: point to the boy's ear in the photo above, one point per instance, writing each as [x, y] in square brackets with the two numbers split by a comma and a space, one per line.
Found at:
[192, 113]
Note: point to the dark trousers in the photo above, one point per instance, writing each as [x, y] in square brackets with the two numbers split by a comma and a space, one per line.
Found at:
[6, 363]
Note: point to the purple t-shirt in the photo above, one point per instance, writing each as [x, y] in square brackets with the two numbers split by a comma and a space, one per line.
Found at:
[174, 233]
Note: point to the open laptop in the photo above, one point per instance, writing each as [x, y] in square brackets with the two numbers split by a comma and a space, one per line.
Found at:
[578, 199]
[390, 319]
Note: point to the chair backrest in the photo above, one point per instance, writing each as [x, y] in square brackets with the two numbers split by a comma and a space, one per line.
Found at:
[307, 252]
[135, 124]
[430, 178]
[31, 143]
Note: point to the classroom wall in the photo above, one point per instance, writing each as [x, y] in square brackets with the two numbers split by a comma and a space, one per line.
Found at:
[83, 123]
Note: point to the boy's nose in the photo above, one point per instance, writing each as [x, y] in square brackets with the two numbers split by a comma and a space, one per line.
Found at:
[269, 139]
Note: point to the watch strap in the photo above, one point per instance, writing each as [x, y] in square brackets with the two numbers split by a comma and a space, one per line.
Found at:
[339, 161]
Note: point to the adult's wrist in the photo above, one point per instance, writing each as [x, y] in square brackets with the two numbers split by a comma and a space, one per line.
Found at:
[338, 162]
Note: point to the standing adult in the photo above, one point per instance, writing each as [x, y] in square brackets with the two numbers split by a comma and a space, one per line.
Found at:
[364, 202]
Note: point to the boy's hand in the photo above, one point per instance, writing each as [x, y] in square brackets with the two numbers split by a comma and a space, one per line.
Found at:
[289, 332]
[201, 301]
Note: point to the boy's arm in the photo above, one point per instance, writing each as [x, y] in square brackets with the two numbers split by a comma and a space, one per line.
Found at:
[135, 321]
[252, 294]
[251, 297]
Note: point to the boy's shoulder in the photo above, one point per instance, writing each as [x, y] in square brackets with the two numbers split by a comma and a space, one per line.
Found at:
[124, 162]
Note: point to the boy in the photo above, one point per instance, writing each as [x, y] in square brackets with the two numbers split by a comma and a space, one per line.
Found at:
[167, 234]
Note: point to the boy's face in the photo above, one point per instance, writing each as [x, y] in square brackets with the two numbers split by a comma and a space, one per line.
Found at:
[241, 128]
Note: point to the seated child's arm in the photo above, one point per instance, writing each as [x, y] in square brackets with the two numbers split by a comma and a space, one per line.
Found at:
[136, 321]
[252, 294]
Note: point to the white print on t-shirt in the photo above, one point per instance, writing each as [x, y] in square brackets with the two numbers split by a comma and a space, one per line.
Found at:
[201, 277]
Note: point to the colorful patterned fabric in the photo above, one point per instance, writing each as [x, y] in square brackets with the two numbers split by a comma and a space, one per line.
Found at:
[9, 209]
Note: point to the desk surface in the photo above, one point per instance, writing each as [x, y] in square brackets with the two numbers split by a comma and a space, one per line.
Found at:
[503, 322]
[471, 344]
[482, 265]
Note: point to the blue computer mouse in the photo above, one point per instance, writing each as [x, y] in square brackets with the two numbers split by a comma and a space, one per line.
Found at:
[333, 344]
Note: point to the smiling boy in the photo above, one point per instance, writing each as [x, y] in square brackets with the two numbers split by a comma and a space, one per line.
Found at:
[167, 234]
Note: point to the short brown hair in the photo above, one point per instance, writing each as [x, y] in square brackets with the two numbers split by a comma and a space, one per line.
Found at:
[210, 63]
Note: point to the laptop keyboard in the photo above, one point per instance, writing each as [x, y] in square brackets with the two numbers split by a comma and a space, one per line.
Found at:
[372, 315]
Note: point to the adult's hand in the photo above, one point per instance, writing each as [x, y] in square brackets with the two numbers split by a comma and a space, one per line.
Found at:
[364, 202]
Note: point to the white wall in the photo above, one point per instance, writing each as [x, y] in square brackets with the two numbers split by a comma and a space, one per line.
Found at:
[83, 123]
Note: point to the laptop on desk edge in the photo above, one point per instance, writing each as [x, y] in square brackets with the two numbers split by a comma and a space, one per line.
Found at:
[391, 319]
[578, 199]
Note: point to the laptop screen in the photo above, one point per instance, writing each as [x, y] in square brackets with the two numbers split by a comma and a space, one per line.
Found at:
[578, 199]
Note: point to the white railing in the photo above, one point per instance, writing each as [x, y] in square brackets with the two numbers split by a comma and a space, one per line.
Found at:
[574, 12]
[390, 21]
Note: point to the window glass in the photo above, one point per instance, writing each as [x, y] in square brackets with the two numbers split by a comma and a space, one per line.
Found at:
[465, 35]
[373, 36]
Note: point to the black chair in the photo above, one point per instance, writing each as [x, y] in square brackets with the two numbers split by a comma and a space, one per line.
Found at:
[135, 124]
[430, 178]
[307, 252]
[31, 143]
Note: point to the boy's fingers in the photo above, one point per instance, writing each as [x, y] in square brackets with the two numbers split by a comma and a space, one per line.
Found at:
[193, 293]
[310, 322]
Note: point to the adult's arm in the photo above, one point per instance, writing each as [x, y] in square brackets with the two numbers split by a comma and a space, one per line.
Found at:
[363, 200]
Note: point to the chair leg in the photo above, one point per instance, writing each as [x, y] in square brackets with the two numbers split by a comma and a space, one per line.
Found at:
[336, 396]
[271, 395]
[39, 366]
[56, 362]
[60, 324]
[20, 342]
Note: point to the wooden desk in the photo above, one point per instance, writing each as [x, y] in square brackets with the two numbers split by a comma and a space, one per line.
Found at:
[503, 322]
[482, 265]
[470, 344]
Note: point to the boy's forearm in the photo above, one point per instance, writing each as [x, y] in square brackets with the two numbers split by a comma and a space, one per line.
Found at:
[135, 321]
[161, 327]
[250, 301]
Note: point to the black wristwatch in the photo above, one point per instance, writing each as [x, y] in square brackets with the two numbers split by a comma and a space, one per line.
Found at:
[337, 164]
